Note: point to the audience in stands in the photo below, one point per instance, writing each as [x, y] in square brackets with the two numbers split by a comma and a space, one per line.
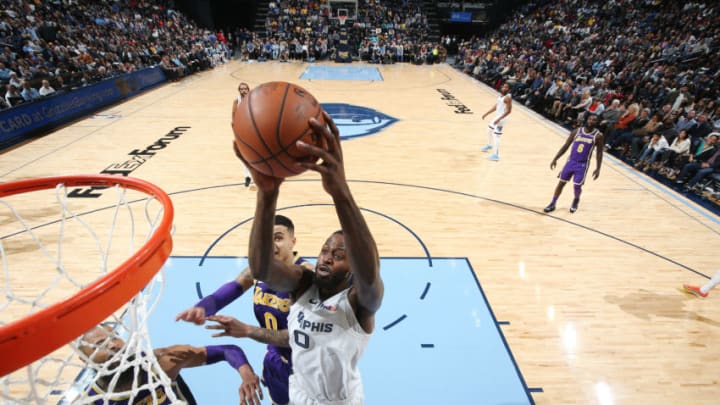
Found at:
[648, 70]
[380, 32]
[66, 44]
[651, 66]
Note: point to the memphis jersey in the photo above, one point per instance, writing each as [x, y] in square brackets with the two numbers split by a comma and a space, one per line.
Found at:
[327, 342]
[144, 396]
[583, 145]
[501, 109]
[271, 310]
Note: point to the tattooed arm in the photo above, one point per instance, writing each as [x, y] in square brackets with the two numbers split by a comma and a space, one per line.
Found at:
[232, 327]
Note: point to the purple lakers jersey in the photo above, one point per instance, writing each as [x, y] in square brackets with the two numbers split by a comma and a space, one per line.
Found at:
[271, 310]
[583, 145]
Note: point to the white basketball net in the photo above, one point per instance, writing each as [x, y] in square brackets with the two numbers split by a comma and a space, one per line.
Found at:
[48, 254]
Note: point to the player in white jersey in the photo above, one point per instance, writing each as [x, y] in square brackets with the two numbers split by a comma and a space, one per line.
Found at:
[243, 90]
[502, 108]
[327, 342]
[333, 315]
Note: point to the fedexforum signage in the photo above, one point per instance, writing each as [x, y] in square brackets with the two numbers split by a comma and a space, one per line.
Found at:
[460, 108]
[137, 158]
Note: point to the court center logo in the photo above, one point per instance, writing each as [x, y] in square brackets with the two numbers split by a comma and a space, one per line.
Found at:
[355, 121]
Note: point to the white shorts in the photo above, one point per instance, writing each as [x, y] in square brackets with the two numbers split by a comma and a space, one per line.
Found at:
[300, 397]
[497, 129]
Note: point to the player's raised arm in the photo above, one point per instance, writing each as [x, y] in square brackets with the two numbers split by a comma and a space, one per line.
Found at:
[261, 258]
[360, 245]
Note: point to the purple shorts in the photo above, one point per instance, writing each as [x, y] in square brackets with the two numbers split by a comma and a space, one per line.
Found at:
[275, 376]
[575, 170]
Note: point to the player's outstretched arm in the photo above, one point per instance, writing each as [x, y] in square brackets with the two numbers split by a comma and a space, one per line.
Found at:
[359, 243]
[174, 358]
[261, 259]
[222, 297]
[235, 328]
[264, 265]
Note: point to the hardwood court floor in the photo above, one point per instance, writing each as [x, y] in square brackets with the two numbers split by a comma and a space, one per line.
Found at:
[595, 315]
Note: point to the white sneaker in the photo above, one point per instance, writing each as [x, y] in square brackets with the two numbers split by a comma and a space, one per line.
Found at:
[486, 148]
[494, 157]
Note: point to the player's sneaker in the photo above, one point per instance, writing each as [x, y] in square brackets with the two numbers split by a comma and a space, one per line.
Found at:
[486, 148]
[494, 157]
[549, 208]
[574, 205]
[691, 289]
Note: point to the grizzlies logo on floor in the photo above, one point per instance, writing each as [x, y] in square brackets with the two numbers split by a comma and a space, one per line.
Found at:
[355, 121]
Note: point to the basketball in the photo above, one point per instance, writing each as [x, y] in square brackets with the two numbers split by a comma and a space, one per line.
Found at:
[268, 122]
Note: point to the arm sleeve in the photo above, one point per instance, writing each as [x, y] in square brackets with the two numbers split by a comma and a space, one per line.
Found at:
[220, 298]
[232, 354]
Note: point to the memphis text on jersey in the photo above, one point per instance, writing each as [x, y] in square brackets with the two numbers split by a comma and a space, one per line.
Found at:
[320, 327]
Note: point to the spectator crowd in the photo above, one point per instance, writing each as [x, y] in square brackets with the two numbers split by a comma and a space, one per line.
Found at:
[55, 46]
[647, 68]
[379, 32]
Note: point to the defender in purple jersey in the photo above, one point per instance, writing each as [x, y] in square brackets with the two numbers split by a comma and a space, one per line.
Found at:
[271, 311]
[128, 385]
[270, 307]
[581, 142]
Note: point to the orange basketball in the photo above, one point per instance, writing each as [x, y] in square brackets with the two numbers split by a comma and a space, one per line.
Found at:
[268, 122]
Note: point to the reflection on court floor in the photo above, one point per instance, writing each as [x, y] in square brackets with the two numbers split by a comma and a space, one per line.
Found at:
[436, 339]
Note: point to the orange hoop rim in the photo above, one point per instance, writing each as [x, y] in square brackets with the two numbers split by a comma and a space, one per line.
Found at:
[28, 339]
[342, 19]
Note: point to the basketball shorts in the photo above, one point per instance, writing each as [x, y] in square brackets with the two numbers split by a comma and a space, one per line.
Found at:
[275, 376]
[575, 170]
[497, 129]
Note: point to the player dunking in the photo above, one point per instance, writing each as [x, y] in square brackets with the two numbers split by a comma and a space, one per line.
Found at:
[502, 108]
[582, 141]
[243, 90]
[334, 313]
[271, 309]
